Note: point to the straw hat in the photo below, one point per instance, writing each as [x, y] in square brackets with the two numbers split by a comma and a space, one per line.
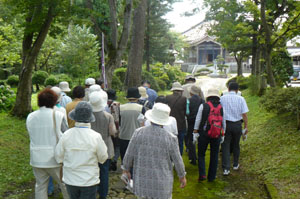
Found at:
[98, 100]
[176, 86]
[159, 114]
[143, 92]
[133, 93]
[64, 86]
[213, 92]
[58, 92]
[83, 112]
[195, 90]
[90, 81]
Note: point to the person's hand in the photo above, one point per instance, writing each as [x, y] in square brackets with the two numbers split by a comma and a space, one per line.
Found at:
[222, 139]
[182, 182]
[127, 173]
[195, 137]
[245, 131]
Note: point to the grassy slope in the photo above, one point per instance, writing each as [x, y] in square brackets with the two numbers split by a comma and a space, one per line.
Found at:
[272, 149]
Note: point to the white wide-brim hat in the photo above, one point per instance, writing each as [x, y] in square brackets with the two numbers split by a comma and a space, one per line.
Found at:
[98, 100]
[90, 81]
[176, 86]
[57, 91]
[143, 92]
[64, 86]
[213, 92]
[159, 114]
[94, 88]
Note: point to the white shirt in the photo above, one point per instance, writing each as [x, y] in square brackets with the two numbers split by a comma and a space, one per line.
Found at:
[234, 106]
[80, 149]
[43, 139]
[170, 128]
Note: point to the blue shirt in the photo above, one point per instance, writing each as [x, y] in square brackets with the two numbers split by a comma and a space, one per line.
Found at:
[234, 106]
[152, 95]
[65, 99]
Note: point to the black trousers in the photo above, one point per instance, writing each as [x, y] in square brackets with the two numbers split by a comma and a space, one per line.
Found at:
[190, 145]
[232, 137]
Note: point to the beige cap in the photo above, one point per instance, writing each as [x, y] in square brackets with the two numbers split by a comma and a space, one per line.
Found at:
[195, 90]
[176, 86]
[213, 92]
[143, 92]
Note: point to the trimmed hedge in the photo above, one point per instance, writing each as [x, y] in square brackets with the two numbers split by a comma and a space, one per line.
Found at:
[13, 80]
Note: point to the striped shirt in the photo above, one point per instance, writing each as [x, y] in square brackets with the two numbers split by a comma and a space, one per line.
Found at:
[234, 106]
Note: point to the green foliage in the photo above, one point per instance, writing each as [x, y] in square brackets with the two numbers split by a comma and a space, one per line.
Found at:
[116, 83]
[161, 83]
[209, 65]
[121, 73]
[13, 80]
[51, 81]
[78, 55]
[282, 67]
[241, 80]
[148, 76]
[39, 77]
[7, 98]
[64, 77]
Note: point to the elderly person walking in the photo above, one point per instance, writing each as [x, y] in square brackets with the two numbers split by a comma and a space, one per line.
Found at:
[212, 110]
[80, 149]
[65, 99]
[104, 124]
[236, 109]
[44, 128]
[178, 105]
[78, 95]
[151, 153]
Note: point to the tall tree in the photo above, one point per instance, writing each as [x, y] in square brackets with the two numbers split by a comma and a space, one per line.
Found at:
[135, 60]
[116, 31]
[38, 18]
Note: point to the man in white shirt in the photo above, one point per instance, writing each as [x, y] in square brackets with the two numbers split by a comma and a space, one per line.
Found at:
[235, 113]
[80, 149]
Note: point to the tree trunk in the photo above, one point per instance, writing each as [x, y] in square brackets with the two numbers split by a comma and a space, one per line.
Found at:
[262, 83]
[29, 53]
[239, 64]
[267, 45]
[254, 54]
[135, 60]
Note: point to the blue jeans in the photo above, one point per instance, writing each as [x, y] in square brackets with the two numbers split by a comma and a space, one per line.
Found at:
[50, 186]
[203, 142]
[82, 192]
[104, 179]
[180, 140]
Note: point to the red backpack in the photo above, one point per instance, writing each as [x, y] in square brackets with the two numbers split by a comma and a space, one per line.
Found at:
[215, 120]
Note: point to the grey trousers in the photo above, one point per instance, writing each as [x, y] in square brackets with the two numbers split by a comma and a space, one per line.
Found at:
[42, 179]
[232, 136]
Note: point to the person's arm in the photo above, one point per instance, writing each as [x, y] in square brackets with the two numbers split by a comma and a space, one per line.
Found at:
[198, 118]
[129, 155]
[112, 127]
[59, 151]
[64, 125]
[177, 160]
[245, 118]
[101, 149]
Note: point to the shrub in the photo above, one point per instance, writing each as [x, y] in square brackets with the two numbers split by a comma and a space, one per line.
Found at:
[51, 81]
[116, 83]
[121, 74]
[148, 76]
[161, 83]
[282, 100]
[13, 80]
[241, 80]
[7, 98]
[64, 78]
[39, 77]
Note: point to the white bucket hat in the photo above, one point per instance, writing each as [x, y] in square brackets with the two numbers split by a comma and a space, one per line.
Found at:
[143, 92]
[64, 86]
[213, 92]
[58, 92]
[90, 81]
[176, 86]
[159, 114]
[98, 100]
[195, 90]
[94, 88]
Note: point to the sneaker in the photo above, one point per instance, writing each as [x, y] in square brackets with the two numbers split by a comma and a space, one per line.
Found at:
[201, 178]
[236, 167]
[226, 172]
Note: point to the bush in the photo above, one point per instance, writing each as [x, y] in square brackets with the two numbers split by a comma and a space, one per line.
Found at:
[64, 78]
[282, 100]
[161, 83]
[241, 80]
[13, 80]
[148, 76]
[51, 81]
[116, 83]
[7, 98]
[121, 74]
[39, 77]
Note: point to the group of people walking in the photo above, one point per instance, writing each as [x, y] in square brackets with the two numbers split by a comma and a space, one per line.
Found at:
[78, 142]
